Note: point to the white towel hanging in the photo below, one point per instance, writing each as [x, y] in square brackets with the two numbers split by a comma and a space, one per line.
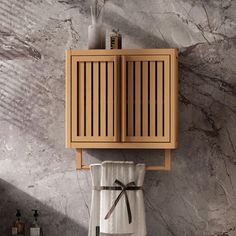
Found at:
[119, 221]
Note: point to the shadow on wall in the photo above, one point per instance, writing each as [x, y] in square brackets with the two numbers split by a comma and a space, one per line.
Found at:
[25, 88]
[146, 39]
[52, 221]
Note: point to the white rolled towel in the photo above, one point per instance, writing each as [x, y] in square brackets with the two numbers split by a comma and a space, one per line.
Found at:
[119, 221]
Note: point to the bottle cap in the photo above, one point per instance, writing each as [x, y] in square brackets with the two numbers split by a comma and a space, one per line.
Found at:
[18, 214]
[116, 31]
[35, 213]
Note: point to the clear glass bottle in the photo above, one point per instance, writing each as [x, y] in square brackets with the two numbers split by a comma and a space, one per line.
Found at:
[35, 229]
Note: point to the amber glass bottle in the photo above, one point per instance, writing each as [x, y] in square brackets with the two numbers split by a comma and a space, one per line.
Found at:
[19, 226]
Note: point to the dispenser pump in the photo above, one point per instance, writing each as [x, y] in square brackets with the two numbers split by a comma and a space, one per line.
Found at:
[18, 227]
[18, 214]
[35, 229]
[36, 214]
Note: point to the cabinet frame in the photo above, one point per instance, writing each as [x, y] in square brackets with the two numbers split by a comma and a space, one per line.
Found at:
[166, 144]
[172, 53]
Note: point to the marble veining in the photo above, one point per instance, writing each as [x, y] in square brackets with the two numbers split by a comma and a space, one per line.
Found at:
[198, 197]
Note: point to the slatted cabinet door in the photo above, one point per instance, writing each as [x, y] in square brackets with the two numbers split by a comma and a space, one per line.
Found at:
[145, 98]
[94, 110]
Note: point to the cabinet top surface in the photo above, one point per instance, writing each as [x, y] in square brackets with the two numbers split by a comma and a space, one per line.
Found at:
[75, 52]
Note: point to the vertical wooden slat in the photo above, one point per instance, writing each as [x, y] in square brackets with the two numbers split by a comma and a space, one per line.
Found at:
[103, 98]
[88, 99]
[123, 95]
[95, 98]
[167, 98]
[81, 99]
[75, 114]
[160, 99]
[110, 99]
[152, 98]
[137, 99]
[130, 98]
[117, 98]
[145, 98]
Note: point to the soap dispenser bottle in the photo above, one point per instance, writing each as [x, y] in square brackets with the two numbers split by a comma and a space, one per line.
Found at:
[35, 230]
[18, 227]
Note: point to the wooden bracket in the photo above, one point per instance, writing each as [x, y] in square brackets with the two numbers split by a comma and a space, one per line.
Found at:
[165, 167]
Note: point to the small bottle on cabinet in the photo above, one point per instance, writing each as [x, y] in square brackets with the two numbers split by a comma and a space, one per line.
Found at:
[35, 230]
[115, 39]
[18, 227]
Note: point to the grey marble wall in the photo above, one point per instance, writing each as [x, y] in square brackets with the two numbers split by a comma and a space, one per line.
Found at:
[198, 197]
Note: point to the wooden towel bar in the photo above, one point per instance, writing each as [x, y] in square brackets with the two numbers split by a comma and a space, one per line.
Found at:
[165, 167]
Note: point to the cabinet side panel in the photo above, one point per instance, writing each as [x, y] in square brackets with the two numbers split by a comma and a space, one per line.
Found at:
[174, 98]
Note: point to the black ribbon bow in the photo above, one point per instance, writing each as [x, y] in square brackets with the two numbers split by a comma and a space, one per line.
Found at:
[129, 186]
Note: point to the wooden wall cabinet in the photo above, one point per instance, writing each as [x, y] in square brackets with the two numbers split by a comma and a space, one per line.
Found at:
[121, 99]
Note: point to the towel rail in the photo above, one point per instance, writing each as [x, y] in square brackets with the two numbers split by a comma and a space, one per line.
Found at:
[165, 167]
